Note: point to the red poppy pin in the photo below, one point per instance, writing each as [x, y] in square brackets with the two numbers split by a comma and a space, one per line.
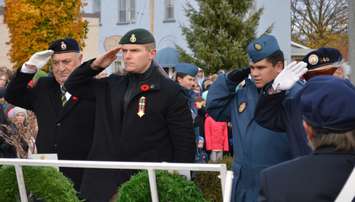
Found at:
[74, 98]
[145, 87]
[31, 84]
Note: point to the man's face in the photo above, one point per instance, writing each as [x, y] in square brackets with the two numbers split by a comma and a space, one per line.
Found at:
[3, 80]
[137, 58]
[263, 72]
[187, 81]
[63, 64]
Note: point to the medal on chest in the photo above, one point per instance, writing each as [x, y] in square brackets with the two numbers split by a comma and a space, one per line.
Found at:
[141, 106]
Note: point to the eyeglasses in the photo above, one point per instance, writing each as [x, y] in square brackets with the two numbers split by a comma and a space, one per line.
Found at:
[313, 73]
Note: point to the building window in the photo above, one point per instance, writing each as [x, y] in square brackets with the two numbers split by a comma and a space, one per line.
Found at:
[169, 11]
[126, 11]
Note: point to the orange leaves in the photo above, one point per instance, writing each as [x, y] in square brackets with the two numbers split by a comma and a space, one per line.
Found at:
[33, 24]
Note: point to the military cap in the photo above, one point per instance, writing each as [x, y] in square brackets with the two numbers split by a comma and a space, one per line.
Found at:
[64, 46]
[262, 47]
[137, 36]
[327, 102]
[186, 68]
[322, 57]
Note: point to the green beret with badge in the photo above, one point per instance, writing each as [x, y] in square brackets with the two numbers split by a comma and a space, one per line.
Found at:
[137, 36]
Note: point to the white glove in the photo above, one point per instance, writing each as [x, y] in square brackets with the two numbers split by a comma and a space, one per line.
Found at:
[289, 76]
[37, 60]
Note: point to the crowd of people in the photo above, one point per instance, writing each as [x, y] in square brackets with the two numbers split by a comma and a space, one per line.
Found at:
[283, 124]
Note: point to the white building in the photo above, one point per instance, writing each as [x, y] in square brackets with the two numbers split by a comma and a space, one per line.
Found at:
[164, 18]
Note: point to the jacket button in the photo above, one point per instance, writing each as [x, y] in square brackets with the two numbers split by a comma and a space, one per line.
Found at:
[59, 124]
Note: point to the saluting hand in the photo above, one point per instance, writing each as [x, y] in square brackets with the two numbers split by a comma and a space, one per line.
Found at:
[37, 61]
[106, 59]
[289, 76]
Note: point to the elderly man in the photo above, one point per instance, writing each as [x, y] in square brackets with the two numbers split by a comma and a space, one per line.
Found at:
[278, 112]
[141, 116]
[327, 108]
[254, 147]
[65, 122]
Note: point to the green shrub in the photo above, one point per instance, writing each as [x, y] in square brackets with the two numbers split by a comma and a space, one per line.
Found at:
[210, 184]
[45, 183]
[171, 188]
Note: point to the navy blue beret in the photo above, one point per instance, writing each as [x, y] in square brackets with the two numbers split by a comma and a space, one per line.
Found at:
[327, 102]
[64, 45]
[186, 68]
[262, 47]
[321, 57]
[137, 36]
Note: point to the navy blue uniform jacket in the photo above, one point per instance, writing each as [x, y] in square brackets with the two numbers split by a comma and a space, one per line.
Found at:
[282, 114]
[317, 177]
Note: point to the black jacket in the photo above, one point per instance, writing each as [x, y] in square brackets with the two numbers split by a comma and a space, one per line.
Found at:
[67, 130]
[163, 133]
[314, 178]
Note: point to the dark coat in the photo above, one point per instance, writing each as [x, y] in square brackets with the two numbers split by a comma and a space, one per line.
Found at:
[314, 178]
[163, 133]
[67, 130]
[280, 113]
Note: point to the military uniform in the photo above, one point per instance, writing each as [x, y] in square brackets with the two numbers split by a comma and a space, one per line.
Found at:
[254, 147]
[327, 104]
[139, 117]
[277, 112]
[66, 130]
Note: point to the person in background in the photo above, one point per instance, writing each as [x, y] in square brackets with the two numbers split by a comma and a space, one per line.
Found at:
[254, 147]
[327, 108]
[65, 122]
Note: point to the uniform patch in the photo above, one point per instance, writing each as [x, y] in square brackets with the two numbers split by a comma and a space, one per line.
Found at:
[242, 107]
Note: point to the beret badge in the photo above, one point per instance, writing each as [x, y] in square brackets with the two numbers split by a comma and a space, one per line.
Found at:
[63, 46]
[313, 59]
[133, 38]
[258, 46]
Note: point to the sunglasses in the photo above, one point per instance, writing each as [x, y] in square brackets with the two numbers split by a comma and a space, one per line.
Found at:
[313, 73]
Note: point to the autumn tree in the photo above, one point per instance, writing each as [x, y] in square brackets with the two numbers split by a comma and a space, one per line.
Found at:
[219, 32]
[317, 23]
[33, 24]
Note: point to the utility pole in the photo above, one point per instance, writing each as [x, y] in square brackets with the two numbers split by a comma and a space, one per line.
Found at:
[352, 38]
[151, 12]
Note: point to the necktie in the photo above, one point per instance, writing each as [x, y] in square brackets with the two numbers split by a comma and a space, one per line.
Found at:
[63, 97]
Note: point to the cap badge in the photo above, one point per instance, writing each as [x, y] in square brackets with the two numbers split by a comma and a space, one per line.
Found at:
[313, 59]
[258, 47]
[63, 46]
[133, 38]
[242, 107]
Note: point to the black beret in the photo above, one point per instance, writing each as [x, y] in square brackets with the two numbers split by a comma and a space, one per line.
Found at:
[327, 102]
[64, 46]
[322, 57]
[137, 36]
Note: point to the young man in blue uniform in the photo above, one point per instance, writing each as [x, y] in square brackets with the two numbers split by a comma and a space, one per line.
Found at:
[255, 148]
[327, 108]
[278, 113]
